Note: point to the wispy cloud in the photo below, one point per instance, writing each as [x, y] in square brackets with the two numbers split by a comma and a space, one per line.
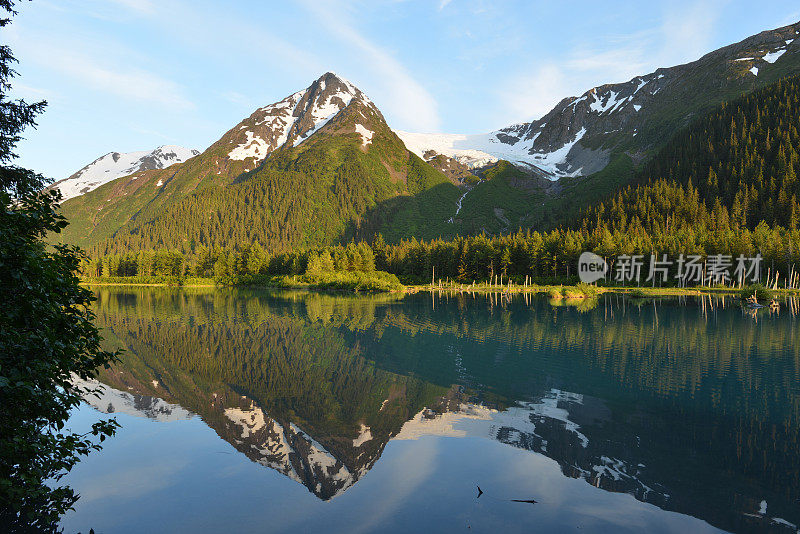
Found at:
[131, 83]
[406, 100]
[27, 92]
[614, 65]
[687, 32]
[237, 98]
[532, 95]
[153, 133]
[413, 468]
[142, 6]
[101, 74]
[225, 37]
[791, 18]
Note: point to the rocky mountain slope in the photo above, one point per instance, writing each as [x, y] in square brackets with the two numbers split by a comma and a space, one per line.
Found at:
[118, 164]
[581, 135]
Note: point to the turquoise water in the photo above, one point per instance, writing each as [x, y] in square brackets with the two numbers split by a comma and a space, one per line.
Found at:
[258, 411]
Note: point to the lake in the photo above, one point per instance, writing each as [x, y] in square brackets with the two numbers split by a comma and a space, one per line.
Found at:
[266, 411]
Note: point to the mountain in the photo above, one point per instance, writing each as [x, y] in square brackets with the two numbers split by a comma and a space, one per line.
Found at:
[322, 166]
[308, 170]
[118, 164]
[582, 135]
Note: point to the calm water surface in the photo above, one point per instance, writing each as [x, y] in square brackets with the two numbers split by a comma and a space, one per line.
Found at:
[257, 411]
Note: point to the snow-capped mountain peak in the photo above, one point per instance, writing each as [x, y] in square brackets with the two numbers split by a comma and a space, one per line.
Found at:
[293, 119]
[117, 164]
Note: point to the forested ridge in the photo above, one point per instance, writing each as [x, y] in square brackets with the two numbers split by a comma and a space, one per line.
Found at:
[734, 168]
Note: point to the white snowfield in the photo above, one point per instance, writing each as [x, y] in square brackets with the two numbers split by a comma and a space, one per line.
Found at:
[364, 435]
[466, 149]
[254, 147]
[118, 164]
[483, 149]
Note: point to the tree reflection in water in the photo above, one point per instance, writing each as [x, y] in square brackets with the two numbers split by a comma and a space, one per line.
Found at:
[689, 405]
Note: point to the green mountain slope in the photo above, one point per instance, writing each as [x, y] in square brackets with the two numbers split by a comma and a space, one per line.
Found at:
[352, 170]
[319, 167]
[734, 168]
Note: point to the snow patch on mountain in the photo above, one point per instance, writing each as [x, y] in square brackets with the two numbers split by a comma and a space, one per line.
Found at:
[551, 406]
[609, 101]
[366, 134]
[551, 161]
[294, 119]
[250, 421]
[265, 437]
[254, 147]
[278, 119]
[323, 463]
[118, 164]
[772, 57]
[364, 436]
[642, 83]
[326, 108]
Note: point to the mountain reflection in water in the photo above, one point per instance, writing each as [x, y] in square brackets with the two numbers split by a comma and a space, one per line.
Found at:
[689, 406]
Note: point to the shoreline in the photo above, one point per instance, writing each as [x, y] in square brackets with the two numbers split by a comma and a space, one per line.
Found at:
[634, 292]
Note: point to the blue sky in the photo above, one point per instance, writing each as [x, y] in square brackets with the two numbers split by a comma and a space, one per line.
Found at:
[130, 75]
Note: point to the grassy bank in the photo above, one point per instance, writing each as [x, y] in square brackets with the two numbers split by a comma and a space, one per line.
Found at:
[374, 281]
